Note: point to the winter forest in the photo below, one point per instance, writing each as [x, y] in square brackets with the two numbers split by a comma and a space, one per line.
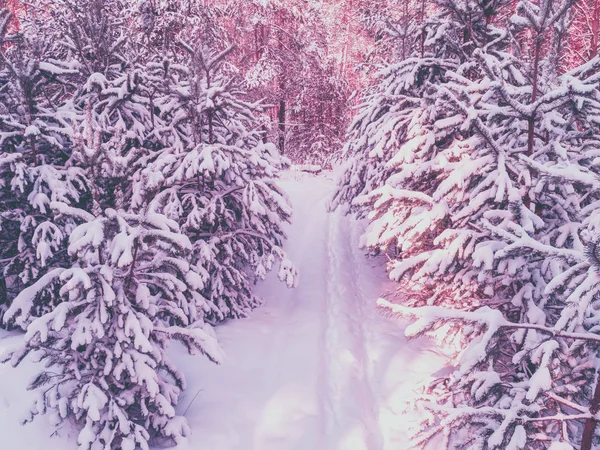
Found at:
[299, 224]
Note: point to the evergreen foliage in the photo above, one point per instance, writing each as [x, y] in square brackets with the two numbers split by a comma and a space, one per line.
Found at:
[139, 205]
[473, 162]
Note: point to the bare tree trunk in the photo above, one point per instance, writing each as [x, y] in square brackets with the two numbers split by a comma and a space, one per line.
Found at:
[281, 112]
[590, 424]
[209, 113]
[281, 118]
[422, 20]
[406, 24]
[534, 87]
[348, 10]
[595, 29]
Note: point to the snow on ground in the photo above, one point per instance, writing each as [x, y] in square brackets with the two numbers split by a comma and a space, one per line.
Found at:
[316, 368]
[15, 403]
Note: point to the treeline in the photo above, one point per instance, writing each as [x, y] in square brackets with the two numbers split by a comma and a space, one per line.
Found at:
[137, 206]
[475, 156]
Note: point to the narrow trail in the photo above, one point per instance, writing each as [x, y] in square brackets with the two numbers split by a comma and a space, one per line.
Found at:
[352, 398]
[317, 367]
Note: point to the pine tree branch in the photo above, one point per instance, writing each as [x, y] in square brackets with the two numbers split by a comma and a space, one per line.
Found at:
[557, 417]
[485, 316]
[566, 402]
[232, 234]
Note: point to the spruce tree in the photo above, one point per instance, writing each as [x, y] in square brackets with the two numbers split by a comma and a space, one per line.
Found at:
[216, 178]
[130, 293]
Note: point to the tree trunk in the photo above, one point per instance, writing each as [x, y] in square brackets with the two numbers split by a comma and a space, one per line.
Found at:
[281, 117]
[281, 112]
[534, 91]
[406, 22]
[595, 29]
[422, 20]
[590, 424]
[264, 133]
[209, 113]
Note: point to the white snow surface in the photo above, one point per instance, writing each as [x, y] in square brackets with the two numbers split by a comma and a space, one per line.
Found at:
[317, 367]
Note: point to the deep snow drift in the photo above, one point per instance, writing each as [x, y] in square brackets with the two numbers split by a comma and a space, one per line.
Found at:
[315, 368]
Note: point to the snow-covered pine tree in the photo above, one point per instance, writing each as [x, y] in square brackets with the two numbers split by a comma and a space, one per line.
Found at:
[84, 43]
[128, 294]
[540, 268]
[527, 377]
[419, 167]
[395, 29]
[385, 115]
[216, 178]
[115, 92]
[491, 216]
[128, 287]
[34, 137]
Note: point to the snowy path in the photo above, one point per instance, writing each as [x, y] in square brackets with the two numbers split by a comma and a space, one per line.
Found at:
[315, 368]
